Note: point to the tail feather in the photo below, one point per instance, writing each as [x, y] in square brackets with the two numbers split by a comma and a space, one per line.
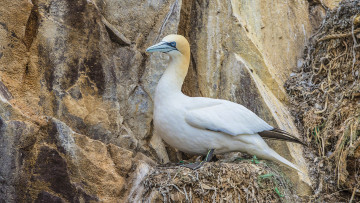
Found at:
[276, 157]
[255, 145]
[280, 135]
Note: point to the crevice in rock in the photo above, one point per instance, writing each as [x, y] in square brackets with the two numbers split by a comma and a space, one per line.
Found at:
[32, 25]
[148, 140]
[142, 67]
[27, 69]
[115, 35]
[194, 64]
[317, 11]
[4, 91]
[185, 17]
[171, 11]
[191, 86]
[4, 26]
[95, 71]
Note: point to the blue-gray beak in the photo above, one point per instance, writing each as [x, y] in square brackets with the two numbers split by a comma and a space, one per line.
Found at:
[162, 47]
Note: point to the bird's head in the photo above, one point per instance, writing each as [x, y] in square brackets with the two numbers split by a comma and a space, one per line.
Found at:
[174, 45]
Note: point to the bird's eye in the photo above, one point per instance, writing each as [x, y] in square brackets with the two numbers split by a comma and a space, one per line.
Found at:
[173, 44]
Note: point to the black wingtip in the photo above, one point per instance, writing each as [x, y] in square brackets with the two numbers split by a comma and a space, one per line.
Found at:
[279, 134]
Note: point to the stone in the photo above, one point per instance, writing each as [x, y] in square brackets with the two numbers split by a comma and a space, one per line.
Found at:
[39, 162]
[331, 4]
[122, 159]
[14, 147]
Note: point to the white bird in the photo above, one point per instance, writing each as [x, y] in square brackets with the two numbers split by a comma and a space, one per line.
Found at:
[200, 125]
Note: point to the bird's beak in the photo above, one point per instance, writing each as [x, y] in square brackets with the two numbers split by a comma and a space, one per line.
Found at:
[161, 47]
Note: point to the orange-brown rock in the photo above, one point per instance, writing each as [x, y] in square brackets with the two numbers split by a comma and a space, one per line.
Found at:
[76, 86]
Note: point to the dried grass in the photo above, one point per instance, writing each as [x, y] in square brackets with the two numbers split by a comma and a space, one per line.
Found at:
[219, 182]
[325, 97]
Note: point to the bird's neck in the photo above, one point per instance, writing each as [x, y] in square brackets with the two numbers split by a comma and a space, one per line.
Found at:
[173, 78]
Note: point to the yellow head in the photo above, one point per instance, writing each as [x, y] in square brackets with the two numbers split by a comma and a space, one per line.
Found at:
[173, 45]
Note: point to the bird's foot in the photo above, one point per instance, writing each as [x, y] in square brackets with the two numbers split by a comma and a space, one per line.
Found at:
[209, 155]
[194, 166]
[197, 165]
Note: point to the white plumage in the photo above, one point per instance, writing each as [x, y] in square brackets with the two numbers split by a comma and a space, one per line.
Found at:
[197, 124]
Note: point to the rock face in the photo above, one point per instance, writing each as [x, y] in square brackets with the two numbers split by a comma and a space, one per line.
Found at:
[76, 86]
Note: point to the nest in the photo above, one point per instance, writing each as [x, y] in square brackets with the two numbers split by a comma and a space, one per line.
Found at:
[325, 96]
[219, 182]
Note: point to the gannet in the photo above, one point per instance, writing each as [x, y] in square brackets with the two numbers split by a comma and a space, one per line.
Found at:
[206, 126]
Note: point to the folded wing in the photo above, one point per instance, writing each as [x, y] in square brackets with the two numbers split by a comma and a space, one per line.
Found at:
[226, 117]
[233, 119]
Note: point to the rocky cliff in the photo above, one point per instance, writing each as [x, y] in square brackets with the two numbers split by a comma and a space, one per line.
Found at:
[76, 86]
